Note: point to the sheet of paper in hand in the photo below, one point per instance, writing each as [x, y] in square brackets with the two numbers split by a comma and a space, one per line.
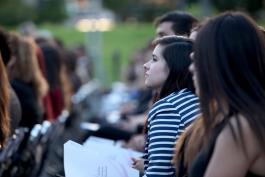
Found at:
[98, 160]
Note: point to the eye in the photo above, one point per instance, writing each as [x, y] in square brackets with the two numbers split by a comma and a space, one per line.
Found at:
[154, 59]
[161, 34]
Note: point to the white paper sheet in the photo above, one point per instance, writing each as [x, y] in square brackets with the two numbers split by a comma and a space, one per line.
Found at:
[98, 160]
[99, 140]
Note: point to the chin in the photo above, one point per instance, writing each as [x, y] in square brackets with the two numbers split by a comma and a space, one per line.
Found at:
[197, 92]
[148, 86]
[146, 83]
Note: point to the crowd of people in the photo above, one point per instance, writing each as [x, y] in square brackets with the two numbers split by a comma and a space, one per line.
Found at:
[192, 100]
[38, 78]
[218, 130]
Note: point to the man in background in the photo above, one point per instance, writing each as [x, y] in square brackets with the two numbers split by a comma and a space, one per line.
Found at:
[175, 23]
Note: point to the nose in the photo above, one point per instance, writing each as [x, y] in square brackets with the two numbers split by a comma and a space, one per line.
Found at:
[146, 66]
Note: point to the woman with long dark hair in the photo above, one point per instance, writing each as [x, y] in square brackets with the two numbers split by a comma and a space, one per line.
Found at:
[176, 105]
[229, 75]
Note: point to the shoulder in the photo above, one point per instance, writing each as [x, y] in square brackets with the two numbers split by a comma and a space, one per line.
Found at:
[164, 104]
[183, 98]
[239, 134]
[177, 101]
[178, 97]
[235, 150]
[187, 105]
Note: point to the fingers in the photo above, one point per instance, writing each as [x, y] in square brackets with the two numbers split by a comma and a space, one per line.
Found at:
[138, 164]
[134, 162]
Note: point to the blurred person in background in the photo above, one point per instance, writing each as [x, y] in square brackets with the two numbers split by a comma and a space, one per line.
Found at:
[27, 80]
[48, 113]
[65, 74]
[29, 29]
[52, 59]
[175, 23]
[84, 66]
[14, 104]
[70, 59]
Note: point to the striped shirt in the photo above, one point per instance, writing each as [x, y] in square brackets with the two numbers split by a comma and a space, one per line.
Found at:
[167, 119]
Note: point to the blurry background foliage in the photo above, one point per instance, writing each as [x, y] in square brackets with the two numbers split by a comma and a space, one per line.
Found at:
[13, 12]
[134, 21]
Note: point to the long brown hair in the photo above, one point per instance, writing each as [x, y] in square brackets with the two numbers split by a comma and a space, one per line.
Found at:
[4, 102]
[231, 74]
[26, 66]
[189, 143]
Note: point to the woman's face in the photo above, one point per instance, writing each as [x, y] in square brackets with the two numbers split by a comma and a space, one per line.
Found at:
[194, 73]
[156, 69]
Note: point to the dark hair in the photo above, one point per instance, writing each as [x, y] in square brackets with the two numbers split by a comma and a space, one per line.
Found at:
[176, 54]
[52, 60]
[182, 22]
[230, 61]
[4, 46]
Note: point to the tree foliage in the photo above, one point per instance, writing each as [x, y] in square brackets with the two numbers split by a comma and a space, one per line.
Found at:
[251, 6]
[51, 11]
[14, 12]
[142, 10]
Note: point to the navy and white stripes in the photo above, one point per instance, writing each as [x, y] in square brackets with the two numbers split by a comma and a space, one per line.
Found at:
[167, 119]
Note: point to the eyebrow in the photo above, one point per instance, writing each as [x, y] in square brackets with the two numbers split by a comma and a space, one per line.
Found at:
[153, 55]
[161, 34]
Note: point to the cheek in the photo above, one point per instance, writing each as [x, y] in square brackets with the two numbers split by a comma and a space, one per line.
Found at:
[158, 76]
[163, 74]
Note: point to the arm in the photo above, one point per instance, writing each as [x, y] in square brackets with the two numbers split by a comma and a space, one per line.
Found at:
[229, 158]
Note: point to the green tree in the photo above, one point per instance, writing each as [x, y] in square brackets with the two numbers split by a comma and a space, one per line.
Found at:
[51, 11]
[251, 6]
[12, 12]
[140, 9]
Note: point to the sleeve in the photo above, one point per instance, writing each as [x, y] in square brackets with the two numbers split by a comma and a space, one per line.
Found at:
[161, 141]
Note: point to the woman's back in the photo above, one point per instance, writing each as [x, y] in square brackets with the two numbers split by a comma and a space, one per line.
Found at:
[168, 118]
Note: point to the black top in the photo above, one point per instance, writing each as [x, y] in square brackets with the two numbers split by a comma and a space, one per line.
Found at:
[31, 112]
[15, 111]
[201, 161]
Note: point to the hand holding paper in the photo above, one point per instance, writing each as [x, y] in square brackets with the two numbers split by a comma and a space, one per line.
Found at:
[97, 159]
